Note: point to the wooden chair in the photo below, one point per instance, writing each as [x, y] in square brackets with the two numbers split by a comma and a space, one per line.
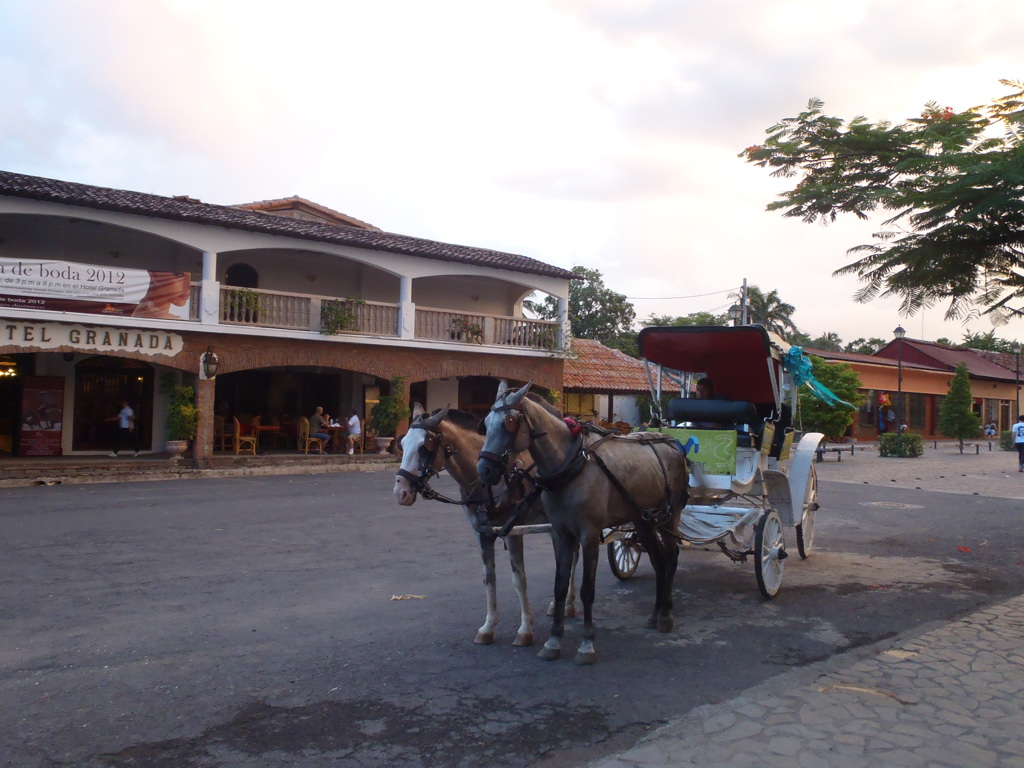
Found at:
[244, 443]
[222, 438]
[305, 441]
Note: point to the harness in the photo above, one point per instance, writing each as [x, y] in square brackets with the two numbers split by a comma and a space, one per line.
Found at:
[581, 453]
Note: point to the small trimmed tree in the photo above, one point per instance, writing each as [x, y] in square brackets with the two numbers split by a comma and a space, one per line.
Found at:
[831, 420]
[956, 419]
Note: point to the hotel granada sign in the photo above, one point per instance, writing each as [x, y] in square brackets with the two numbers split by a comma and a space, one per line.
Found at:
[89, 338]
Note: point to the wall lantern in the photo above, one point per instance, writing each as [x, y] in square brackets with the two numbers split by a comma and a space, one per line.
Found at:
[210, 362]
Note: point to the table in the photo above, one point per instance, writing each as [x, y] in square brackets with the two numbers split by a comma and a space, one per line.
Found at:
[261, 429]
[336, 433]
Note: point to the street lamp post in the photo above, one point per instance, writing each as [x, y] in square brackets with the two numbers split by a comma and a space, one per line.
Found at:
[899, 333]
[735, 313]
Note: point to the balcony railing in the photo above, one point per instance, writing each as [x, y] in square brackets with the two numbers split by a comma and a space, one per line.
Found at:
[328, 315]
[445, 325]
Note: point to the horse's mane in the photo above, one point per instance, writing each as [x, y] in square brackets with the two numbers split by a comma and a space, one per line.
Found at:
[545, 404]
[461, 419]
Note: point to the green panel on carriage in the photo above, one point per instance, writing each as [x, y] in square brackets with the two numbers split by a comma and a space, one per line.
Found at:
[716, 448]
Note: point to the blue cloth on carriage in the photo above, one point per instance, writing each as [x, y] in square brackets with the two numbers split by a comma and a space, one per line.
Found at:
[797, 364]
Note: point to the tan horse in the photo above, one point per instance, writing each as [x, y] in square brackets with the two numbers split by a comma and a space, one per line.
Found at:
[450, 440]
[592, 483]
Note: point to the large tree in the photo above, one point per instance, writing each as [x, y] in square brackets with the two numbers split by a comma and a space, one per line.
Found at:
[770, 310]
[951, 184]
[862, 346]
[697, 318]
[595, 311]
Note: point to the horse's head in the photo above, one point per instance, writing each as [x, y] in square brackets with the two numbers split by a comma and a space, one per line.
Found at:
[505, 434]
[422, 456]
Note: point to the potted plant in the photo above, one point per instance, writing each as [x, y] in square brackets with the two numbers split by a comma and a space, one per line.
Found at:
[182, 414]
[462, 326]
[387, 413]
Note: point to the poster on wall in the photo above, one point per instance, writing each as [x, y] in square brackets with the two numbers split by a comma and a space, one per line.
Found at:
[65, 286]
[42, 416]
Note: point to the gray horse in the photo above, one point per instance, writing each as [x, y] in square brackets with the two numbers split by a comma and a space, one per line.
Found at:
[591, 483]
[450, 439]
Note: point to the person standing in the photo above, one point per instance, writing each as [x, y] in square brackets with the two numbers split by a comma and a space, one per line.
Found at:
[126, 434]
[1018, 441]
[355, 431]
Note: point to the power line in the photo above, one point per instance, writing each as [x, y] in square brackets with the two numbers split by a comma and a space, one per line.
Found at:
[672, 298]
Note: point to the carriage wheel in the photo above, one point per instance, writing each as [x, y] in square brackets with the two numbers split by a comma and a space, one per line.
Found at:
[805, 530]
[624, 556]
[770, 551]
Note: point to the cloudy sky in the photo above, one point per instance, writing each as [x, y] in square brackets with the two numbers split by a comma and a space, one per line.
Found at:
[602, 133]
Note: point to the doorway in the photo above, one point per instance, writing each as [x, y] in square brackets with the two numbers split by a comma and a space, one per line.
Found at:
[101, 383]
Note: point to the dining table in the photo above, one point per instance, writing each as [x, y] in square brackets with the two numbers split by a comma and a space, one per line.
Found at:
[260, 430]
[337, 434]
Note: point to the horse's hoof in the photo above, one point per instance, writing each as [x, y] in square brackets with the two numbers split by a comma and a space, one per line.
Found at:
[523, 639]
[570, 611]
[586, 657]
[549, 653]
[665, 624]
[651, 623]
[484, 638]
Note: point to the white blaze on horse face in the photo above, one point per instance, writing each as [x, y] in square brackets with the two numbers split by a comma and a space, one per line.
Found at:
[413, 463]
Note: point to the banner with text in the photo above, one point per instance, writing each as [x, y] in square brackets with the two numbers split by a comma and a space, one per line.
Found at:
[64, 286]
[42, 416]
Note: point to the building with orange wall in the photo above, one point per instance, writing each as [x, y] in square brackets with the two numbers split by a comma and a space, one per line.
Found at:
[927, 370]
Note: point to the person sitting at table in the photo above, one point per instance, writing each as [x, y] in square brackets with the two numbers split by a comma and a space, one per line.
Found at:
[354, 431]
[317, 422]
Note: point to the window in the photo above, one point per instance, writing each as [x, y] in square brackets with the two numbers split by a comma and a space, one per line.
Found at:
[579, 404]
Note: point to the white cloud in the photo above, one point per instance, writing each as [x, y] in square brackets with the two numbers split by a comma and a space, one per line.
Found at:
[594, 132]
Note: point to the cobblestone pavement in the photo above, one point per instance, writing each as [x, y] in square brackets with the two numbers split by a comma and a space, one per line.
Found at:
[952, 695]
[986, 473]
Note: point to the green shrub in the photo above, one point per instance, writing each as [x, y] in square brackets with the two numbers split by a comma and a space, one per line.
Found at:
[901, 446]
[1006, 441]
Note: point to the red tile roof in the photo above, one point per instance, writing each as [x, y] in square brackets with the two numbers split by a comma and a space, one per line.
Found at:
[593, 367]
[184, 208]
[301, 208]
[948, 357]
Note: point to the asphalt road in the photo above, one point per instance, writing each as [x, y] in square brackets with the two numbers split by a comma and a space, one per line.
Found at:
[243, 623]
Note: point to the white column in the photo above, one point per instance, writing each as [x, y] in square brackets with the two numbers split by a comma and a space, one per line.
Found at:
[209, 293]
[563, 322]
[406, 310]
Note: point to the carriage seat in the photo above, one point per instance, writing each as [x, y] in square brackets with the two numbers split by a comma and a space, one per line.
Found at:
[727, 413]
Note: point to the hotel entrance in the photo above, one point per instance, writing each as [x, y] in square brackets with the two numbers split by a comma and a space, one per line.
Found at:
[101, 383]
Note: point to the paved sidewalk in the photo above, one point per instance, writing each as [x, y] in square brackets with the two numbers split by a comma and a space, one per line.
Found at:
[951, 695]
[987, 473]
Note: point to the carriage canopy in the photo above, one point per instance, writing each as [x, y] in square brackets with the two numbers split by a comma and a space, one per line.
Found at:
[745, 362]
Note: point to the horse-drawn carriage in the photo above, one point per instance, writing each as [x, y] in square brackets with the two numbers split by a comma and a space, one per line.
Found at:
[747, 478]
[534, 471]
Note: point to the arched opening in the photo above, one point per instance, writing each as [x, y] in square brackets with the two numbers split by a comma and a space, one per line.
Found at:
[101, 383]
[241, 275]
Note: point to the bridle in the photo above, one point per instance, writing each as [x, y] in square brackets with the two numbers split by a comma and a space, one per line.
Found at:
[515, 419]
[515, 477]
[433, 443]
